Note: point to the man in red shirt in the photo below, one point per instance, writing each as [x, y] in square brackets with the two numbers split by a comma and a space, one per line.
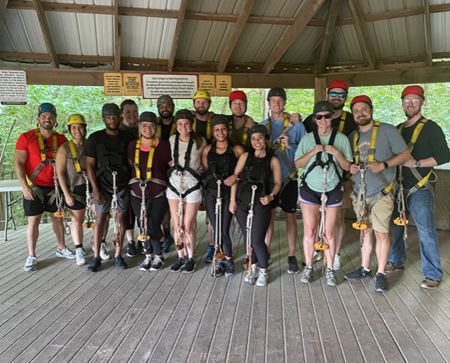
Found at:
[34, 159]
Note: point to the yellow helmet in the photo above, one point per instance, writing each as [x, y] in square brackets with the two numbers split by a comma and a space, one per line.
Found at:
[202, 93]
[76, 119]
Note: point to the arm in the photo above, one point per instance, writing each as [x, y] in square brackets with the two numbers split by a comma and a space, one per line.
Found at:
[249, 122]
[205, 152]
[376, 167]
[238, 151]
[303, 160]
[238, 170]
[275, 166]
[424, 163]
[20, 158]
[90, 166]
[343, 162]
[61, 160]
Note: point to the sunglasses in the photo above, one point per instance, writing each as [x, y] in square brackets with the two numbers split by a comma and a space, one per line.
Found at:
[319, 117]
[335, 94]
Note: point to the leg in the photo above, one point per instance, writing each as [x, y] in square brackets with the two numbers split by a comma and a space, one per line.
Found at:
[102, 220]
[339, 230]
[173, 205]
[58, 228]
[269, 234]
[330, 221]
[77, 217]
[310, 215]
[121, 230]
[366, 249]
[291, 228]
[33, 233]
[190, 226]
[382, 250]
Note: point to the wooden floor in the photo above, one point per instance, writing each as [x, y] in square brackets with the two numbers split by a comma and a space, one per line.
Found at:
[61, 313]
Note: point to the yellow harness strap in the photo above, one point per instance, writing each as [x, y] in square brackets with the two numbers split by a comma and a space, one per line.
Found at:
[149, 161]
[208, 127]
[416, 133]
[342, 122]
[43, 153]
[76, 161]
[286, 120]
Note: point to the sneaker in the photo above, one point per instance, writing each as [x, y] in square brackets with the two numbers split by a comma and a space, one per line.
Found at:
[176, 267]
[390, 267]
[81, 256]
[359, 274]
[145, 266]
[337, 262]
[381, 284]
[66, 253]
[189, 266]
[30, 264]
[131, 249]
[229, 268]
[157, 264]
[219, 268]
[104, 252]
[169, 241]
[429, 283]
[307, 274]
[317, 256]
[120, 263]
[263, 278]
[251, 279]
[330, 275]
[209, 254]
[293, 265]
[95, 264]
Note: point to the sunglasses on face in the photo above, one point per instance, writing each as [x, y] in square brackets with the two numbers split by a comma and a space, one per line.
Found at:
[335, 94]
[327, 116]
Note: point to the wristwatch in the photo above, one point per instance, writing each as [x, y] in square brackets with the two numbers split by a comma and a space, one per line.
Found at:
[417, 163]
[237, 176]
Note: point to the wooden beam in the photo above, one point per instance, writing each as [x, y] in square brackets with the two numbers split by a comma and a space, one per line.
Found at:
[117, 39]
[363, 36]
[3, 5]
[320, 89]
[428, 41]
[177, 33]
[300, 23]
[333, 13]
[46, 32]
[238, 28]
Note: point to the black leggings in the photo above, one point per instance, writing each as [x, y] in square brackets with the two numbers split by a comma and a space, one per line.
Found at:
[227, 217]
[156, 208]
[261, 221]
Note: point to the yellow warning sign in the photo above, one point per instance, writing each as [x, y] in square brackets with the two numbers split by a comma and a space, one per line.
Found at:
[223, 86]
[207, 82]
[132, 84]
[113, 84]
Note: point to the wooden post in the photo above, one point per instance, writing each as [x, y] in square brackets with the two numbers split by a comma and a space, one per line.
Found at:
[320, 89]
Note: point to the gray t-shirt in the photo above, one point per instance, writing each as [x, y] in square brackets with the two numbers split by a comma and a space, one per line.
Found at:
[388, 144]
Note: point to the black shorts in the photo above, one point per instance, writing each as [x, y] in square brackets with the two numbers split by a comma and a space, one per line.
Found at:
[288, 198]
[309, 196]
[36, 207]
[79, 190]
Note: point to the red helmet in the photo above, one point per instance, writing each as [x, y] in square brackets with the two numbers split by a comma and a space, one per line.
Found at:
[237, 95]
[362, 98]
[338, 84]
[413, 90]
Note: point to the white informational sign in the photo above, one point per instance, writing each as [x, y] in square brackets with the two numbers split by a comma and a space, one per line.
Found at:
[178, 86]
[13, 87]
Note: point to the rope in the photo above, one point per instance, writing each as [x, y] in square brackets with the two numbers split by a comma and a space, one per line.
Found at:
[322, 244]
[248, 226]
[361, 204]
[114, 206]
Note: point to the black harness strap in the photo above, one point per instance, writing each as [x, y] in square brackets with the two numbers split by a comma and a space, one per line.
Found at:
[212, 155]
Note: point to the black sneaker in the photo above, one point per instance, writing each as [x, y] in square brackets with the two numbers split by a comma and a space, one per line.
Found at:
[359, 274]
[176, 267]
[141, 247]
[95, 264]
[382, 284]
[157, 264]
[145, 266]
[120, 263]
[293, 265]
[219, 268]
[189, 266]
[131, 249]
[229, 268]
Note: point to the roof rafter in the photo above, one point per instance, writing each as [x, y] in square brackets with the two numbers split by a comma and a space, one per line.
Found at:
[46, 32]
[362, 32]
[238, 28]
[299, 24]
[117, 39]
[3, 5]
[333, 13]
[428, 41]
[176, 35]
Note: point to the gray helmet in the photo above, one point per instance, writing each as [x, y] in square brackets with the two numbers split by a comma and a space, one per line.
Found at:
[165, 99]
[277, 91]
[322, 106]
[110, 109]
[148, 117]
[259, 129]
[184, 114]
[219, 120]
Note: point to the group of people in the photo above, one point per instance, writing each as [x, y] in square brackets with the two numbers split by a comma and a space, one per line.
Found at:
[151, 169]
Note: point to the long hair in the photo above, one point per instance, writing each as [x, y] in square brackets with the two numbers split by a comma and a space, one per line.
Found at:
[197, 138]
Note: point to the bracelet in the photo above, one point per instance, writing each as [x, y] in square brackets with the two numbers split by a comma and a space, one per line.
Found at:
[386, 166]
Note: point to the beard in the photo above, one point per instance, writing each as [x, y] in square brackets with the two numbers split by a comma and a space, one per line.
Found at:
[363, 121]
[409, 116]
[338, 107]
[112, 128]
[202, 113]
[47, 127]
[165, 115]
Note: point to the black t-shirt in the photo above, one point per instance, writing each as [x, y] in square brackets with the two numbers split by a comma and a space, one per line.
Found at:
[201, 127]
[132, 130]
[349, 126]
[430, 143]
[166, 130]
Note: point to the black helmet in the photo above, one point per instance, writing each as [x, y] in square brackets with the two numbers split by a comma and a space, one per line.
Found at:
[110, 109]
[277, 91]
[219, 120]
[322, 106]
[184, 114]
[148, 117]
[259, 129]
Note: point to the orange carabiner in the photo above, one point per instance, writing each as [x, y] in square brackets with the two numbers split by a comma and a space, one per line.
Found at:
[359, 225]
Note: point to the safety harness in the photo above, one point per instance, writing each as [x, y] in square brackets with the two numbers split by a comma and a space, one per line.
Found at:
[322, 243]
[103, 159]
[243, 142]
[401, 219]
[342, 122]
[117, 238]
[208, 128]
[361, 204]
[218, 253]
[212, 172]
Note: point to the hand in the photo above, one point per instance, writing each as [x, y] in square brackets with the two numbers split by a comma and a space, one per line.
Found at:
[99, 198]
[296, 118]
[331, 150]
[230, 180]
[285, 140]
[70, 200]
[375, 167]
[249, 123]
[233, 206]
[28, 193]
[410, 163]
[318, 149]
[266, 199]
[354, 169]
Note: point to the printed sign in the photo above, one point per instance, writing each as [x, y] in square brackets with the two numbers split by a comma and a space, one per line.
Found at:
[113, 84]
[223, 86]
[178, 86]
[207, 82]
[132, 84]
[13, 88]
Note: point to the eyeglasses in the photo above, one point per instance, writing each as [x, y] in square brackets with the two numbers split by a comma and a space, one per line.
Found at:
[335, 94]
[327, 116]
[408, 101]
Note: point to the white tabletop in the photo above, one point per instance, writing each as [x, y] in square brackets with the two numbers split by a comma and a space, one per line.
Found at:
[10, 186]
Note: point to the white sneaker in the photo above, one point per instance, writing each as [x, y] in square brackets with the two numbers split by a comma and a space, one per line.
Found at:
[263, 278]
[81, 257]
[30, 264]
[66, 253]
[251, 280]
[337, 262]
[104, 252]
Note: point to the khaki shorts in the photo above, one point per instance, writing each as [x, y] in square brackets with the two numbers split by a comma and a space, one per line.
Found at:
[381, 212]
[348, 191]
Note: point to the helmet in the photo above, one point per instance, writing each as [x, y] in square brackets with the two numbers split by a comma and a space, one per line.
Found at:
[110, 109]
[277, 91]
[219, 120]
[46, 107]
[323, 106]
[338, 84]
[76, 119]
[237, 95]
[165, 99]
[148, 117]
[414, 90]
[362, 98]
[202, 93]
[259, 129]
[184, 114]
